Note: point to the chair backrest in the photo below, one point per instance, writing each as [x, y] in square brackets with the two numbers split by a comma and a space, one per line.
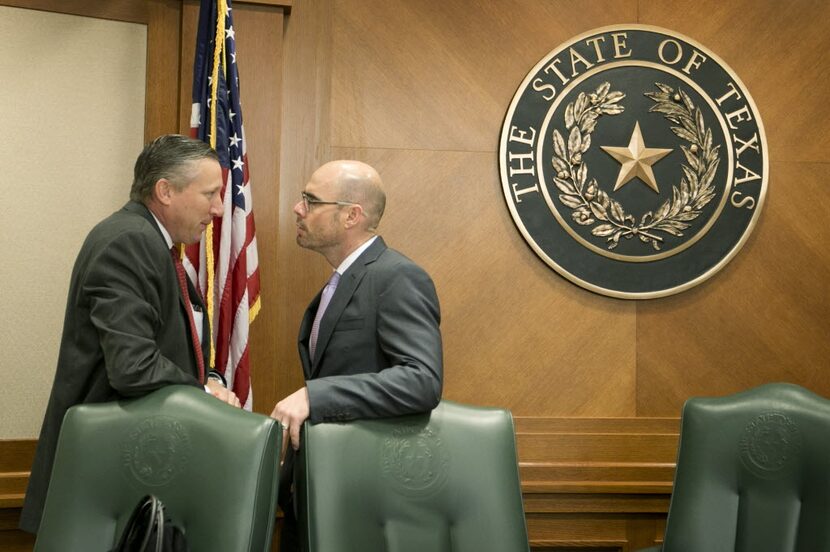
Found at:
[753, 473]
[214, 467]
[438, 482]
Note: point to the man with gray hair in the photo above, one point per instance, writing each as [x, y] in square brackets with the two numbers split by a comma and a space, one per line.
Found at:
[369, 343]
[134, 322]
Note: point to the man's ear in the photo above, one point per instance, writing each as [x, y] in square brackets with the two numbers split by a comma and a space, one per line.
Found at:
[162, 191]
[353, 215]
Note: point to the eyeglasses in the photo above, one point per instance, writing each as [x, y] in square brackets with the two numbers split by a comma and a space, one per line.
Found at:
[308, 201]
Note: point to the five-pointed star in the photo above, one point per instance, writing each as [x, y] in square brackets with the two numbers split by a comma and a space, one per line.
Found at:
[636, 160]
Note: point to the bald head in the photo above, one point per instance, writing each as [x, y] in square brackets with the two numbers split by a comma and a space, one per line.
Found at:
[356, 182]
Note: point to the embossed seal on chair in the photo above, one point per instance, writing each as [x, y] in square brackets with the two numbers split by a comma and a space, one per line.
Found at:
[770, 443]
[415, 460]
[156, 450]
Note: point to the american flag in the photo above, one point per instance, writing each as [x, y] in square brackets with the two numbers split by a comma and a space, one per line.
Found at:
[225, 262]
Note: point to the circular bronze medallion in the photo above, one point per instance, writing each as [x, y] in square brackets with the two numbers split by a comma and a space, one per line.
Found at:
[633, 161]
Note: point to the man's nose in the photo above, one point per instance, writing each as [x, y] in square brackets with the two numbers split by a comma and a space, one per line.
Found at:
[216, 206]
[299, 209]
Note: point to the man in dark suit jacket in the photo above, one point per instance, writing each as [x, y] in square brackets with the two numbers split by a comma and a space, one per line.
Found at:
[127, 327]
[370, 346]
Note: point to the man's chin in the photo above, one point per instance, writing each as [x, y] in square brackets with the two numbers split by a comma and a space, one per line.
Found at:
[305, 244]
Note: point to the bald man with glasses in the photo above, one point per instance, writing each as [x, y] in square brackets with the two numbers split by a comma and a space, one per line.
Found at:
[369, 342]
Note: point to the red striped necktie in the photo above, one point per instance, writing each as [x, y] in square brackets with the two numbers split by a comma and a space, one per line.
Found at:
[194, 335]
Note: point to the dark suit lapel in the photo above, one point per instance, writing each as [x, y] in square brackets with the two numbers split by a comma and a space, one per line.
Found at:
[194, 296]
[305, 333]
[349, 283]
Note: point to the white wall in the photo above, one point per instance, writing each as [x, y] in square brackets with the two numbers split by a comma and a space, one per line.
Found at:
[72, 120]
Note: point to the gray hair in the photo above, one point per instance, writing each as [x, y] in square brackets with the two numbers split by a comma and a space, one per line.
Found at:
[171, 157]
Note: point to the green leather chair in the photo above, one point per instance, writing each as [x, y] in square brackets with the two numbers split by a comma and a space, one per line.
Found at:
[214, 467]
[438, 482]
[753, 474]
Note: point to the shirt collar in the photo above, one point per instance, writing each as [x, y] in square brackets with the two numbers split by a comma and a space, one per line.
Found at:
[164, 231]
[348, 261]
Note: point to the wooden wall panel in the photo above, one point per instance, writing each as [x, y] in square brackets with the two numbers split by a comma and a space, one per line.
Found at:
[765, 316]
[163, 42]
[512, 332]
[596, 483]
[260, 44]
[420, 92]
[403, 83]
[439, 74]
[305, 146]
[763, 319]
[780, 51]
[419, 89]
[15, 462]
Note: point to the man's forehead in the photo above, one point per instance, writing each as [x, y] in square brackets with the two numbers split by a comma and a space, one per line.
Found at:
[321, 183]
[206, 173]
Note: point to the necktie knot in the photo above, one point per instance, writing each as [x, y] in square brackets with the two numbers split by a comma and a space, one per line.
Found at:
[334, 280]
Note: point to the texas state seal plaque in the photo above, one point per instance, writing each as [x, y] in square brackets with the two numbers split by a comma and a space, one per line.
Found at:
[633, 161]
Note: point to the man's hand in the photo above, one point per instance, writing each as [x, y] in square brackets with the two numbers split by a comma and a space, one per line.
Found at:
[291, 412]
[222, 393]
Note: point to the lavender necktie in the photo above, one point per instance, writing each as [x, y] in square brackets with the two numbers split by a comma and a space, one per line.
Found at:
[325, 297]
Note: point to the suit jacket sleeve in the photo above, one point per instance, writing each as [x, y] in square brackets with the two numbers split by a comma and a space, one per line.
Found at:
[408, 377]
[127, 291]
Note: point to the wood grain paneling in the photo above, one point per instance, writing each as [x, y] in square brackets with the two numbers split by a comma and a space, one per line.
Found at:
[305, 146]
[512, 332]
[763, 319]
[161, 112]
[596, 483]
[419, 90]
[12, 540]
[781, 53]
[15, 460]
[439, 74]
[260, 44]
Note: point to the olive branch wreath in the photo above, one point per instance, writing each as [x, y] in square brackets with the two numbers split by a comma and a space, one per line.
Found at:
[591, 204]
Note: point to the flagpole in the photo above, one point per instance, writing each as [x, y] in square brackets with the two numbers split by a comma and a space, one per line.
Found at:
[218, 50]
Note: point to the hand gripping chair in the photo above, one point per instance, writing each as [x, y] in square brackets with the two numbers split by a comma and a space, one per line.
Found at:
[753, 474]
[213, 466]
[437, 482]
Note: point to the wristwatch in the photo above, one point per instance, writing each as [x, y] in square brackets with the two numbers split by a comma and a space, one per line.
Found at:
[214, 375]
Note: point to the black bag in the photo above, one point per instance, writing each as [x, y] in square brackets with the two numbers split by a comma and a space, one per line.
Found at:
[148, 530]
